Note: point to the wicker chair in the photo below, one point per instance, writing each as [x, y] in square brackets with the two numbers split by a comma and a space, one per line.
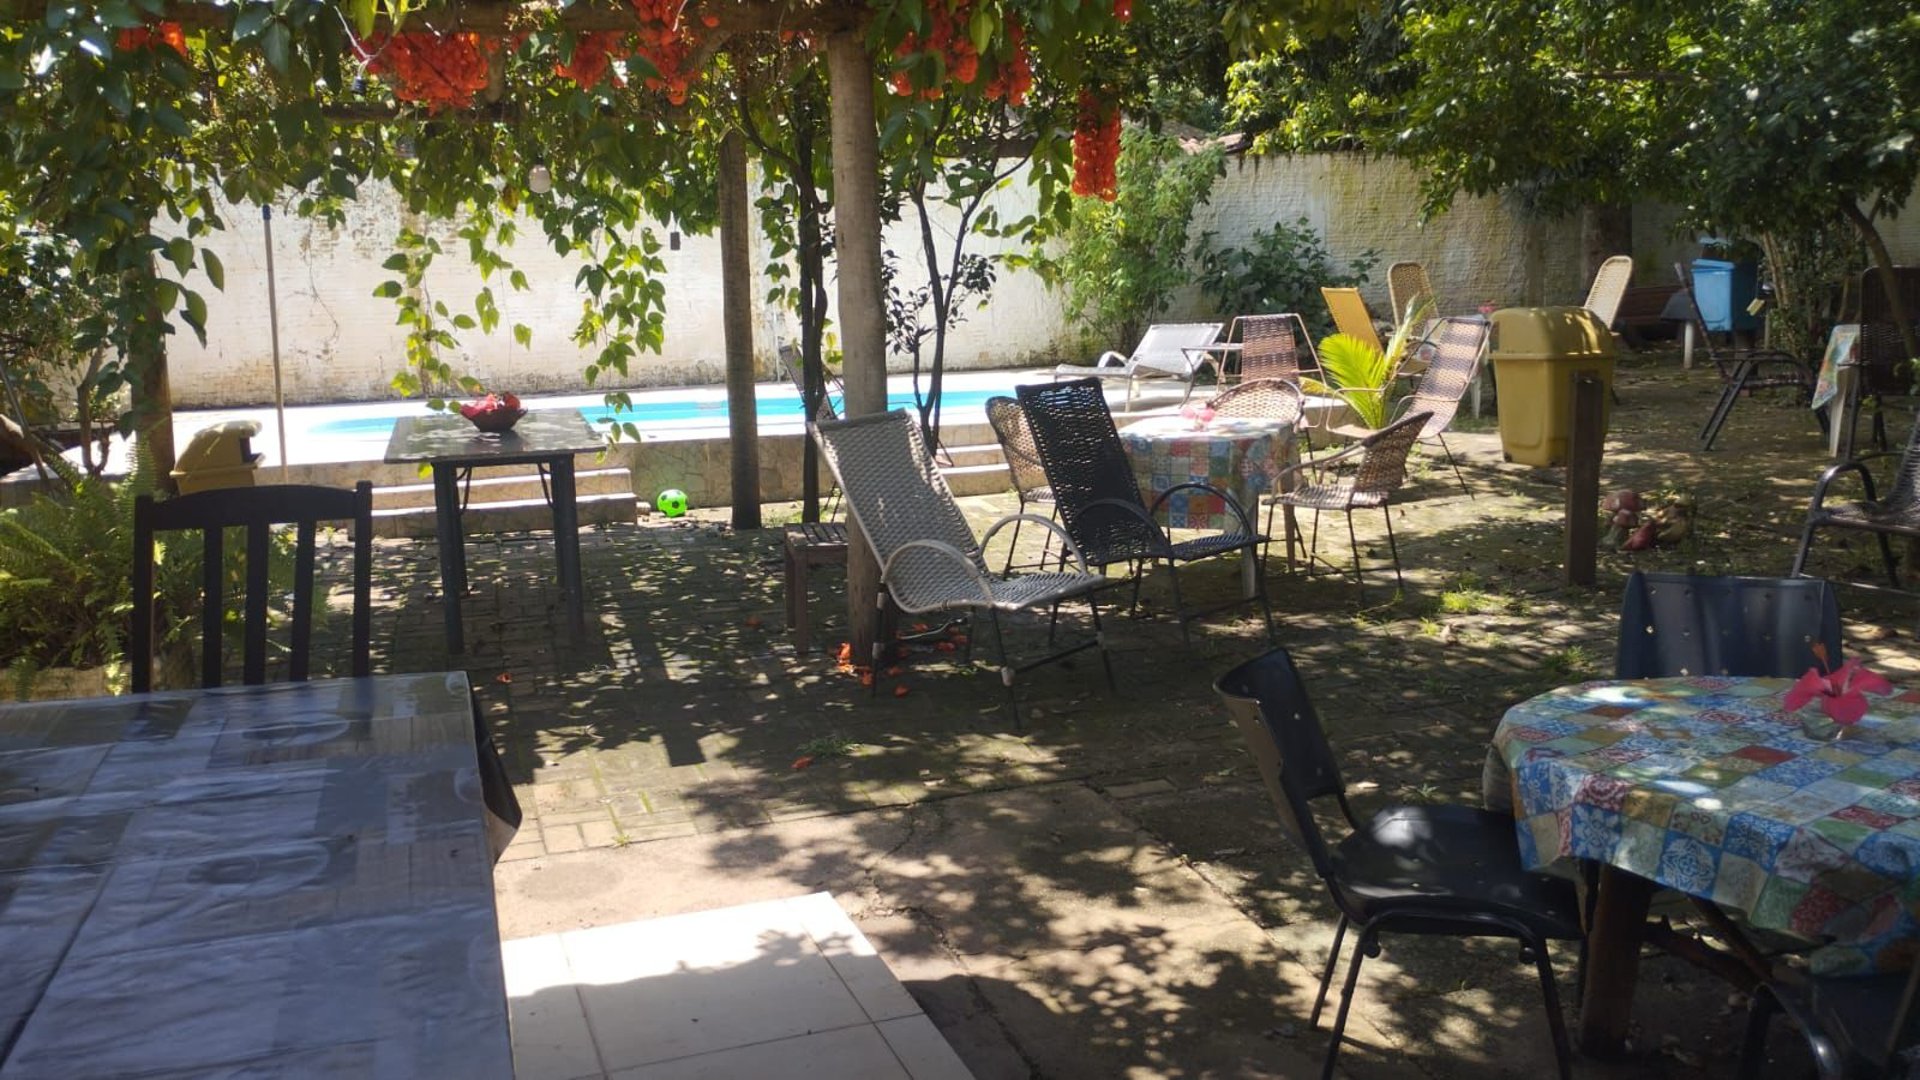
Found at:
[1278, 400]
[1166, 351]
[1453, 349]
[1741, 370]
[1895, 513]
[1023, 462]
[1410, 290]
[830, 388]
[1099, 500]
[1350, 314]
[1609, 288]
[1377, 465]
[929, 559]
[1275, 347]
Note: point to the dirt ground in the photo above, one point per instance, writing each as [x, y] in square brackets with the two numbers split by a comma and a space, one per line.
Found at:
[1103, 889]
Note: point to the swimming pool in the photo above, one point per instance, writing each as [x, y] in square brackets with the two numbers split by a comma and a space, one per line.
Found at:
[772, 404]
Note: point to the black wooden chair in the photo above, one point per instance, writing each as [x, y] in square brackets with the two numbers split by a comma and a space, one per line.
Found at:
[1854, 1025]
[1429, 869]
[1897, 512]
[1100, 504]
[257, 510]
[1684, 624]
[1741, 370]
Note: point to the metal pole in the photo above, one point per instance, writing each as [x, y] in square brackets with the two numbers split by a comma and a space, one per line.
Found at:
[273, 326]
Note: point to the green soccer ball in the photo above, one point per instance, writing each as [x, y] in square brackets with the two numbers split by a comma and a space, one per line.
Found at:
[672, 502]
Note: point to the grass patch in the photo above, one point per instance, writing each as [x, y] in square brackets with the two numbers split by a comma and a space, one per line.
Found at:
[826, 746]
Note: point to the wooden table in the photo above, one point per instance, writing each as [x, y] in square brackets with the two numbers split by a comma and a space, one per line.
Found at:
[548, 439]
[282, 880]
[1706, 785]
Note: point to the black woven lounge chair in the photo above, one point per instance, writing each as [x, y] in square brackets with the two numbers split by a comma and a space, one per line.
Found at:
[1100, 504]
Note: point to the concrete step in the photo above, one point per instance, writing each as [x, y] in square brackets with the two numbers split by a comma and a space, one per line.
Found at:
[514, 515]
[978, 479]
[504, 487]
[956, 455]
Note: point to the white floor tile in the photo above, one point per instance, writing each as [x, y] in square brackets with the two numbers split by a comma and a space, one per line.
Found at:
[551, 1040]
[670, 988]
[853, 958]
[923, 1050]
[855, 1053]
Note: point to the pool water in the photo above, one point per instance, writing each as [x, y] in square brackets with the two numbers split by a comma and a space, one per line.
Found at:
[774, 405]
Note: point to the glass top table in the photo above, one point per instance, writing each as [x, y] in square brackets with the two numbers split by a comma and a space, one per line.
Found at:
[546, 438]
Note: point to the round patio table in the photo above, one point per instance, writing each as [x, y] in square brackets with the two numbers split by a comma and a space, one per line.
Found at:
[1241, 457]
[1707, 785]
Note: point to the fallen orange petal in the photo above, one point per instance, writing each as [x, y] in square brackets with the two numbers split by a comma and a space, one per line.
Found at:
[866, 678]
[900, 690]
[846, 652]
[504, 677]
[803, 761]
[894, 670]
[945, 646]
[753, 622]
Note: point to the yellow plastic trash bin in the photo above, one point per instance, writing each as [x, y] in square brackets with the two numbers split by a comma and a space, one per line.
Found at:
[1536, 353]
[220, 456]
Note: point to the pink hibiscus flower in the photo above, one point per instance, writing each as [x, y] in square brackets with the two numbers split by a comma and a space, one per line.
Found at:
[1842, 693]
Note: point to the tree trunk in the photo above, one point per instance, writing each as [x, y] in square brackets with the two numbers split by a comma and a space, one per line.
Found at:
[736, 313]
[1883, 262]
[1606, 230]
[863, 329]
[151, 391]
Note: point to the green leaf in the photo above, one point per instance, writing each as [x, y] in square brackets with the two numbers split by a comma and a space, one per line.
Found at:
[196, 315]
[980, 28]
[387, 290]
[364, 15]
[252, 19]
[180, 254]
[275, 43]
[216, 270]
[396, 262]
[523, 335]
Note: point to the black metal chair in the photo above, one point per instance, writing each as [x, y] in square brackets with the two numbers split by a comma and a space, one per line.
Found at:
[1431, 869]
[1741, 370]
[1684, 624]
[1009, 423]
[257, 510]
[1883, 358]
[1854, 1025]
[1099, 499]
[1897, 513]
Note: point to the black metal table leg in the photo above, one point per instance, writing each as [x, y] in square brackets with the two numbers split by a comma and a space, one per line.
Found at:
[566, 543]
[453, 556]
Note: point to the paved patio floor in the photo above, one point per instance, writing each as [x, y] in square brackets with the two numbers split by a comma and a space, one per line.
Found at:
[1103, 891]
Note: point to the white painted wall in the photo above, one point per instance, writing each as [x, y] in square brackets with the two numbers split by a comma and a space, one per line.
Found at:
[339, 343]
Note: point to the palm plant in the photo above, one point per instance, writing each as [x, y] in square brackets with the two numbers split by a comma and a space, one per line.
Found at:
[1361, 374]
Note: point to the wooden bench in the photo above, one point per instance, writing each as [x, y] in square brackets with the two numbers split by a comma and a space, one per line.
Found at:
[1641, 311]
[807, 545]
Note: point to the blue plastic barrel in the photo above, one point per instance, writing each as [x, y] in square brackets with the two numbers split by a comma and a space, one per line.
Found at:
[1723, 290]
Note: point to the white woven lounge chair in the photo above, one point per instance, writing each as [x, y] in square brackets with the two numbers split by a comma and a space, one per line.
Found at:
[929, 559]
[1167, 351]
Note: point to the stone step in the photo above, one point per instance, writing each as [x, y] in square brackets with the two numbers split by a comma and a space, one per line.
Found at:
[504, 487]
[513, 515]
[956, 456]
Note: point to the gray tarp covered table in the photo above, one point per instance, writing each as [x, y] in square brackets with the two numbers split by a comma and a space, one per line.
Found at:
[546, 438]
[282, 880]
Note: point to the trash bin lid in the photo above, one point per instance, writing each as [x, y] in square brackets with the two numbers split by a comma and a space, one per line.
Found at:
[220, 446]
[1569, 333]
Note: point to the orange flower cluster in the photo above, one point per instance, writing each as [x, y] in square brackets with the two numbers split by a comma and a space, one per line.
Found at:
[593, 56]
[950, 39]
[667, 45]
[1096, 147]
[147, 37]
[436, 70]
[1015, 77]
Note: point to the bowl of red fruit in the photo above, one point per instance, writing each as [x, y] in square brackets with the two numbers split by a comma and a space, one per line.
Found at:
[495, 413]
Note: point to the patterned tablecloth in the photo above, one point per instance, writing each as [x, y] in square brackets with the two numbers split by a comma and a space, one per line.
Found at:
[1240, 457]
[287, 880]
[1704, 785]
